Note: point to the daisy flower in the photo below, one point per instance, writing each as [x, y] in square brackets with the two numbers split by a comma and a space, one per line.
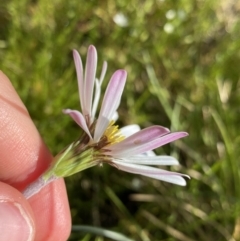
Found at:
[128, 149]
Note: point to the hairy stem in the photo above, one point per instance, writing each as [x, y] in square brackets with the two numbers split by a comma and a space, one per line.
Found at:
[37, 185]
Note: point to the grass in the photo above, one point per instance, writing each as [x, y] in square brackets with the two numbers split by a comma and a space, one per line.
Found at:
[182, 60]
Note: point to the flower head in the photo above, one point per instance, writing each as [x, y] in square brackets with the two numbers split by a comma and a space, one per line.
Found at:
[128, 149]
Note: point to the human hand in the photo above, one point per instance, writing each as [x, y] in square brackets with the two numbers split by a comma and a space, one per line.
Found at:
[23, 157]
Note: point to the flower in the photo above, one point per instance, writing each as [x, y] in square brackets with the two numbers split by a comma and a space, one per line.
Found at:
[129, 149]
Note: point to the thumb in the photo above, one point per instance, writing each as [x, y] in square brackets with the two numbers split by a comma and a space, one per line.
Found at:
[16, 218]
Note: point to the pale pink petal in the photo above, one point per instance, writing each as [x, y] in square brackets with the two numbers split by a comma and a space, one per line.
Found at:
[132, 129]
[79, 70]
[151, 160]
[163, 175]
[140, 138]
[113, 93]
[110, 102]
[90, 73]
[79, 119]
[141, 147]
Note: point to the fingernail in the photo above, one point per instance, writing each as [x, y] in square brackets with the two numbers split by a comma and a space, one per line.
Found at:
[15, 224]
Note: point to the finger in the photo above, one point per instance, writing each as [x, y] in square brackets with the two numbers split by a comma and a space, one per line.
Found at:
[16, 217]
[23, 157]
[53, 218]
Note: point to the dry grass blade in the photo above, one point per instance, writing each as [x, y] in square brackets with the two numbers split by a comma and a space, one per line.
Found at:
[168, 229]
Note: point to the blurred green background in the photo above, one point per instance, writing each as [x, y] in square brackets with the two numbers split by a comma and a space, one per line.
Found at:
[182, 59]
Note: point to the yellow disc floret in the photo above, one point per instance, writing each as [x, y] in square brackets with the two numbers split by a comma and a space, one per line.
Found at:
[113, 134]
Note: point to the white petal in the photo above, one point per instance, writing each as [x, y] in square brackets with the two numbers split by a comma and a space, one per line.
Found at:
[98, 84]
[115, 116]
[104, 69]
[99, 130]
[130, 130]
[163, 175]
[151, 160]
[96, 99]
[148, 153]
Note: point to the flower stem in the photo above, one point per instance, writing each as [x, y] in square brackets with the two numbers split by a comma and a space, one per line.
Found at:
[37, 185]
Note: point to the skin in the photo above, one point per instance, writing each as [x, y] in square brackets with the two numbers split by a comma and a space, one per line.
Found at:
[23, 157]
